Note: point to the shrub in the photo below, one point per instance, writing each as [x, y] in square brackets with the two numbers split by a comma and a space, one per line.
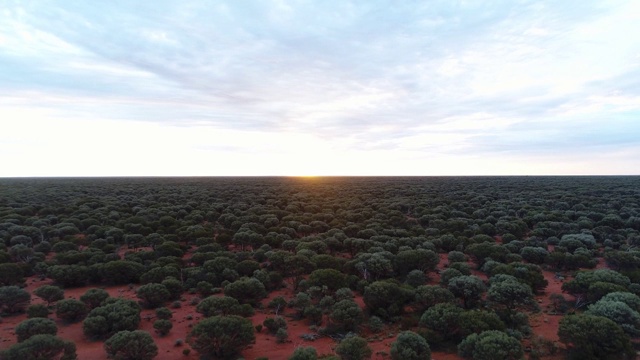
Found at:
[115, 315]
[376, 324]
[153, 295]
[43, 346]
[69, 275]
[11, 274]
[415, 278]
[13, 299]
[620, 313]
[94, 297]
[410, 346]
[131, 345]
[49, 293]
[205, 288]
[274, 324]
[219, 305]
[490, 345]
[594, 337]
[442, 319]
[121, 272]
[164, 313]
[221, 336]
[427, 296]
[71, 310]
[332, 279]
[174, 286]
[354, 348]
[246, 290]
[387, 296]
[162, 326]
[282, 335]
[346, 315]
[37, 311]
[36, 326]
[304, 353]
[277, 303]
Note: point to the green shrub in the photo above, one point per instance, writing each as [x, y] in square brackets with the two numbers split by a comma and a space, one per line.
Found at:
[35, 326]
[37, 311]
[162, 326]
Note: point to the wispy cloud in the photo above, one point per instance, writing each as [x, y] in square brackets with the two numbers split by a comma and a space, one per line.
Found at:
[404, 79]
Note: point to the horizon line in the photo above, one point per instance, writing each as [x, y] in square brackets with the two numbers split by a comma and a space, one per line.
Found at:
[302, 176]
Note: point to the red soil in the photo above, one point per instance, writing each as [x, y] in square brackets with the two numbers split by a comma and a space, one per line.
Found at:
[544, 323]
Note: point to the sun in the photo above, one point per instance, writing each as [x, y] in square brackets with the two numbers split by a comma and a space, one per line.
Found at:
[306, 176]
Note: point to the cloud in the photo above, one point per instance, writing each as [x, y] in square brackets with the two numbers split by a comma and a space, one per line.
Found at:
[407, 79]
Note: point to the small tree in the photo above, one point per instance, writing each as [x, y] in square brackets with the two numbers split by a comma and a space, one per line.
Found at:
[420, 259]
[115, 315]
[37, 311]
[583, 280]
[376, 324]
[49, 293]
[94, 297]
[153, 295]
[282, 335]
[468, 288]
[592, 337]
[510, 294]
[442, 319]
[96, 327]
[410, 346]
[346, 315]
[275, 324]
[304, 353]
[131, 345]
[477, 321]
[43, 346]
[221, 336]
[354, 348]
[35, 326]
[430, 295]
[11, 274]
[164, 313]
[386, 298]
[620, 313]
[174, 286]
[415, 278]
[69, 275]
[219, 305]
[332, 279]
[449, 274]
[71, 310]
[490, 345]
[13, 299]
[162, 326]
[248, 291]
[630, 299]
[121, 272]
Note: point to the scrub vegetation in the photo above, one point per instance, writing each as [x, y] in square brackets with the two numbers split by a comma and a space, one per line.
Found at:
[320, 268]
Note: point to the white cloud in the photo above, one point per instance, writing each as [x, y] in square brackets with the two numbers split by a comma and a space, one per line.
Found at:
[318, 87]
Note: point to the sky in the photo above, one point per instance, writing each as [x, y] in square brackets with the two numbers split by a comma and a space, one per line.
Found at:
[303, 88]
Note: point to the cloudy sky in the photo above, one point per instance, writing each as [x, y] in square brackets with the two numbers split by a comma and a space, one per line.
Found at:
[293, 87]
